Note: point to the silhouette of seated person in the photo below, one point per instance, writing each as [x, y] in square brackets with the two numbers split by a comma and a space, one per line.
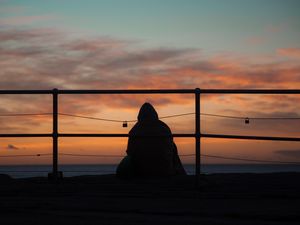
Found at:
[149, 156]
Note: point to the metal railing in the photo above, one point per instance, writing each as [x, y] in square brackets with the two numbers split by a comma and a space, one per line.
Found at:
[197, 135]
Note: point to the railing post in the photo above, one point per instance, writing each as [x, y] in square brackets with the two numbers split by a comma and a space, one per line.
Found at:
[55, 134]
[197, 135]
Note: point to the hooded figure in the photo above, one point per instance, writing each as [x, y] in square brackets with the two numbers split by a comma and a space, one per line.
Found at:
[151, 149]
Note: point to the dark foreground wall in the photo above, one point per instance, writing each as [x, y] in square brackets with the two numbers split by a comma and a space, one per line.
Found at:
[220, 199]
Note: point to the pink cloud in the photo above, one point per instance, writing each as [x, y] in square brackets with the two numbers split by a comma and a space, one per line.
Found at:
[275, 28]
[103, 62]
[289, 52]
[12, 9]
[255, 40]
[25, 20]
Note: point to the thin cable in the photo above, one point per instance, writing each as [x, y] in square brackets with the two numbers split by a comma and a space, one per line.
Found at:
[119, 121]
[252, 118]
[187, 155]
[222, 116]
[163, 117]
[182, 155]
[274, 118]
[186, 114]
[250, 160]
[177, 115]
[92, 118]
[243, 159]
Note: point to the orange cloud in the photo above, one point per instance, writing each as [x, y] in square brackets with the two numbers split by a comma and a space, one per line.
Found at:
[25, 20]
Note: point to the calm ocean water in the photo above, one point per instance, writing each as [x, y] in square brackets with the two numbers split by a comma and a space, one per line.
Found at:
[77, 170]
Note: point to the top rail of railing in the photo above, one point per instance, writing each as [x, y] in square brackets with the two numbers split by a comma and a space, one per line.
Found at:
[157, 91]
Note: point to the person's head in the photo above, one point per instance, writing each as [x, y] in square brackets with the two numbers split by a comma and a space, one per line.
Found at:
[147, 113]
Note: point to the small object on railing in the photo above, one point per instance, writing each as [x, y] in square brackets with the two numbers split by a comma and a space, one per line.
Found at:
[125, 124]
[247, 120]
[38, 154]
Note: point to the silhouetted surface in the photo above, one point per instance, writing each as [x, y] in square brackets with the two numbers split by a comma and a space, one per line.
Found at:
[221, 199]
[151, 156]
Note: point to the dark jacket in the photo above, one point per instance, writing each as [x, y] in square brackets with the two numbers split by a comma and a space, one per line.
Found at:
[153, 156]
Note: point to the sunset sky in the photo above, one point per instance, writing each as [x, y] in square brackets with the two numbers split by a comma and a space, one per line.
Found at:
[134, 44]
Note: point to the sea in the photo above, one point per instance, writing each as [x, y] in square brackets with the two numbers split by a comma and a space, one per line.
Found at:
[26, 171]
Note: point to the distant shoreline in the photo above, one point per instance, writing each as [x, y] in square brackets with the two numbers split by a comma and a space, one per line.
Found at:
[70, 170]
[188, 164]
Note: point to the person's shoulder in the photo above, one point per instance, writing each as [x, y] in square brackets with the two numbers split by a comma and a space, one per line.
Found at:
[137, 128]
[133, 129]
[165, 125]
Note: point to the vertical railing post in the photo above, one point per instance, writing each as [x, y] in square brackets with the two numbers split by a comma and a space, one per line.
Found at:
[197, 135]
[55, 134]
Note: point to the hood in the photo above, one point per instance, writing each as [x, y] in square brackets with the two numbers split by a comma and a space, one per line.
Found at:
[147, 113]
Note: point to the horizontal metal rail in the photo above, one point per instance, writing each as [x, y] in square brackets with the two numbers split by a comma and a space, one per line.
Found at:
[250, 91]
[92, 135]
[121, 135]
[157, 91]
[25, 92]
[263, 138]
[137, 91]
[179, 135]
[25, 135]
